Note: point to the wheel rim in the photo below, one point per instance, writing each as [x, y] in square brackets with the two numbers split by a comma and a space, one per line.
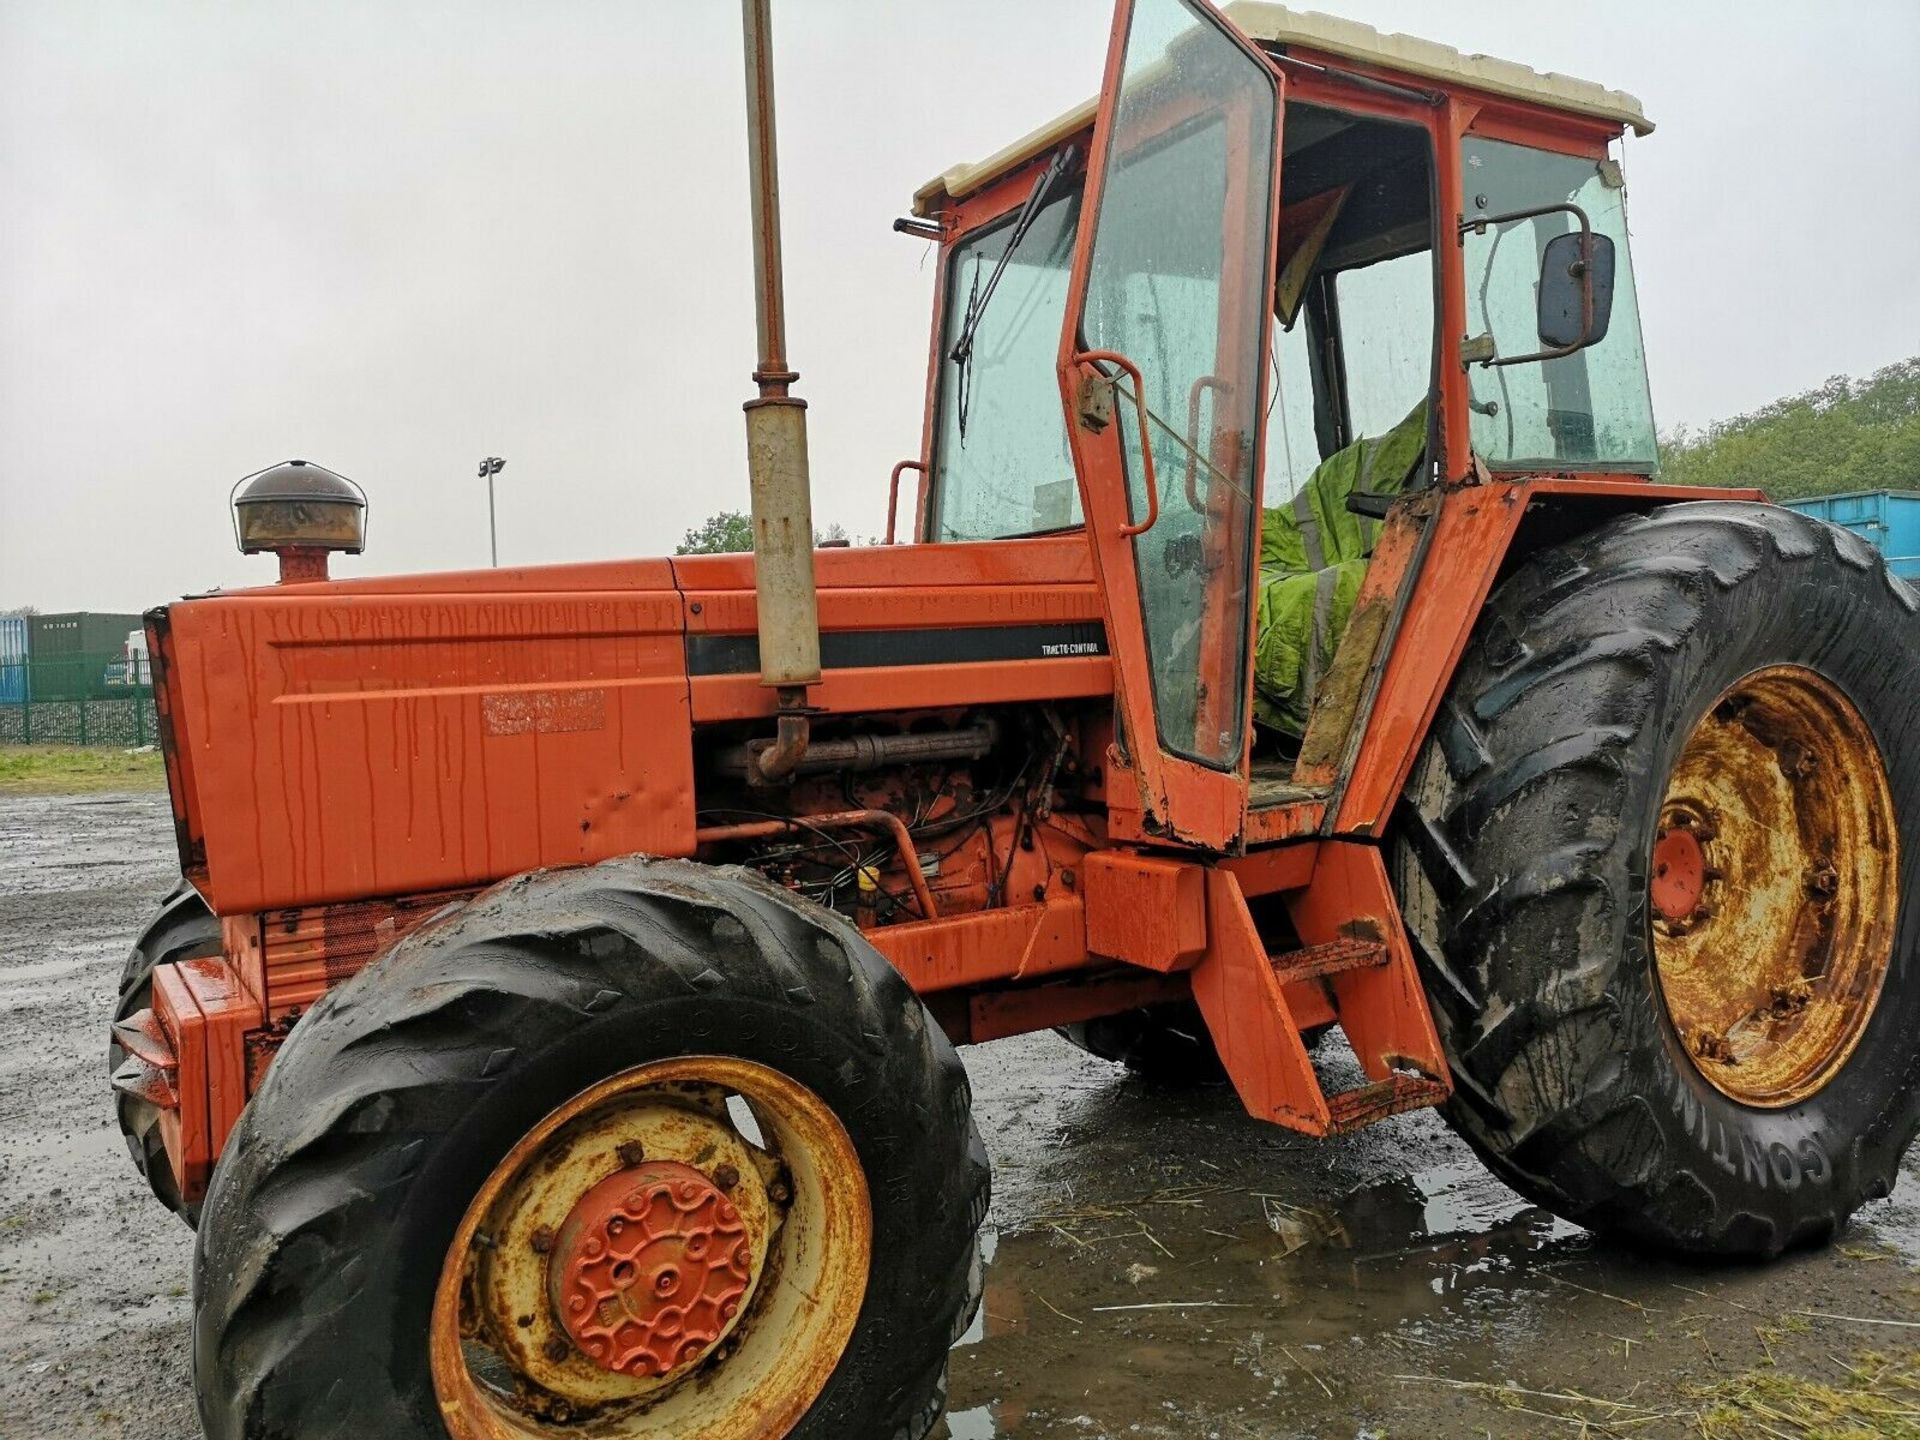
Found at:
[1773, 887]
[643, 1265]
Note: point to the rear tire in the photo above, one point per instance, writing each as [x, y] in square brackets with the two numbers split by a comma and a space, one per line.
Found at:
[182, 929]
[1524, 857]
[403, 1090]
[1166, 1044]
[1163, 1044]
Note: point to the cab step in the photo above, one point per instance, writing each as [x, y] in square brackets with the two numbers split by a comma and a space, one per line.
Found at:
[1353, 966]
[1352, 1110]
[1333, 958]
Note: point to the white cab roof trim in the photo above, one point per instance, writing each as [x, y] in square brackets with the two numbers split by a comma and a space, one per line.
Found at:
[1278, 25]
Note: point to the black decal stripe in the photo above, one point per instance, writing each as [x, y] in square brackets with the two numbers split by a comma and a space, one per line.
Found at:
[865, 649]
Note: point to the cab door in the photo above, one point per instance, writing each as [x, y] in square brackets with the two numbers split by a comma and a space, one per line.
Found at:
[1162, 377]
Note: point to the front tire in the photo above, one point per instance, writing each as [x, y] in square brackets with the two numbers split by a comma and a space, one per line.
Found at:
[389, 1146]
[183, 928]
[1711, 1048]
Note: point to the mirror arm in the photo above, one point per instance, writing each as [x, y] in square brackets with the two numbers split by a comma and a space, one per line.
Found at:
[1478, 225]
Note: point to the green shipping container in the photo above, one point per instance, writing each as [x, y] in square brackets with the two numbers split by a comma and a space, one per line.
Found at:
[79, 656]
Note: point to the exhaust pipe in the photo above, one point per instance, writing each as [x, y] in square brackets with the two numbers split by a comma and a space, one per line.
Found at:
[784, 591]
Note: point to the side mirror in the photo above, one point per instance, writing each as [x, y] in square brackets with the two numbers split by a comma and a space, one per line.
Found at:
[1576, 290]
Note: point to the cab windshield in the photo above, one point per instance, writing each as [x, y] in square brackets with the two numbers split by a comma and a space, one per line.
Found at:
[1001, 463]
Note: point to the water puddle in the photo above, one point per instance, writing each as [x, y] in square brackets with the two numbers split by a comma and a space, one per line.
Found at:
[1164, 1266]
[1240, 1296]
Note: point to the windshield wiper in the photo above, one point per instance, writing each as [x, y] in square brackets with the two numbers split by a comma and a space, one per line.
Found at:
[977, 298]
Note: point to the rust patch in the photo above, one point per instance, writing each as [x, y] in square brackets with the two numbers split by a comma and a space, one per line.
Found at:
[1337, 701]
[1357, 1109]
[543, 712]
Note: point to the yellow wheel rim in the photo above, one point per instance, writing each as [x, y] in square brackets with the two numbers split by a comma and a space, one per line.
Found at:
[740, 1251]
[1773, 887]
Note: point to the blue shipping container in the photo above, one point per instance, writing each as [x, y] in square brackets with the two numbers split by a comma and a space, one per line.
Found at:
[13, 659]
[1889, 520]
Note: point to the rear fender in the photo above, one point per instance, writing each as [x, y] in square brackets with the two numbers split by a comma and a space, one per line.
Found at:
[1460, 547]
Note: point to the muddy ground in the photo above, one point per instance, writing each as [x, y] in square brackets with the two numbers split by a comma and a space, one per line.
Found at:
[1161, 1266]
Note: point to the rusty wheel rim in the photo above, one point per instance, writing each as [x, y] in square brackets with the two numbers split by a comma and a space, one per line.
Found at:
[648, 1263]
[1773, 887]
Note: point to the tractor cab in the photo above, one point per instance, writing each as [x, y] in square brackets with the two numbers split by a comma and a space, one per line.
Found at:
[1286, 279]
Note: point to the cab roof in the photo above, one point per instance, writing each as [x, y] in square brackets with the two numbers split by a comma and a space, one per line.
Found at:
[1278, 25]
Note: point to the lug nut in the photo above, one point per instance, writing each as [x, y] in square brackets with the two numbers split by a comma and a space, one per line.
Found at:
[779, 1193]
[1711, 1045]
[556, 1349]
[631, 1153]
[1798, 762]
[542, 1240]
[726, 1177]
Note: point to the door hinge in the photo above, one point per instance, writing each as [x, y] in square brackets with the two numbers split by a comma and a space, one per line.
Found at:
[1095, 405]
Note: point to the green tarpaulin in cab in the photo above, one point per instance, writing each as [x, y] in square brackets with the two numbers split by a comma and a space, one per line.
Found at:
[1313, 556]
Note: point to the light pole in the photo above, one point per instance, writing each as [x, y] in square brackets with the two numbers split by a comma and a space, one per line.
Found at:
[490, 467]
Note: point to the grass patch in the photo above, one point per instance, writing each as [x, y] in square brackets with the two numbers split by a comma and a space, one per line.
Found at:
[1876, 1396]
[78, 769]
[1873, 1396]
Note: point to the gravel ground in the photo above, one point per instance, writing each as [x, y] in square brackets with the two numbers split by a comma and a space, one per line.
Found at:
[1162, 1266]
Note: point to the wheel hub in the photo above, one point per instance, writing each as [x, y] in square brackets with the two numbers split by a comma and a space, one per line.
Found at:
[1772, 883]
[649, 1268]
[1679, 873]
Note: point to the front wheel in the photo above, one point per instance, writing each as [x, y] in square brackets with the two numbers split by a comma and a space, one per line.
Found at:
[182, 928]
[1661, 864]
[639, 1151]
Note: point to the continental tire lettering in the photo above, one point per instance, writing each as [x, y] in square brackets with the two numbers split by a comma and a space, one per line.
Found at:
[1785, 1171]
[1813, 1157]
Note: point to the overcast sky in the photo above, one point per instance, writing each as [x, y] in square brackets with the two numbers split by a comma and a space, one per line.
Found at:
[394, 236]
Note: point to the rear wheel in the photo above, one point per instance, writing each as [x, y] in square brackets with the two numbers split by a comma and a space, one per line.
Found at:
[642, 1150]
[182, 929]
[1654, 861]
[1166, 1044]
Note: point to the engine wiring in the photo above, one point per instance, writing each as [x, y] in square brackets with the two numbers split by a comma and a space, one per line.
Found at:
[844, 856]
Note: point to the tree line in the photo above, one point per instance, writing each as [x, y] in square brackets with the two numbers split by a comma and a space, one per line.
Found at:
[731, 533]
[1844, 435]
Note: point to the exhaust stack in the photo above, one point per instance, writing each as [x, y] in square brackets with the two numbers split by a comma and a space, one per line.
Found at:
[785, 597]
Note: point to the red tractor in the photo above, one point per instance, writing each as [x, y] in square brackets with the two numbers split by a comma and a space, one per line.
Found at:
[555, 1031]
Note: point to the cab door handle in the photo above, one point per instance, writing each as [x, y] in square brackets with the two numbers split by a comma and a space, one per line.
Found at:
[1119, 361]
